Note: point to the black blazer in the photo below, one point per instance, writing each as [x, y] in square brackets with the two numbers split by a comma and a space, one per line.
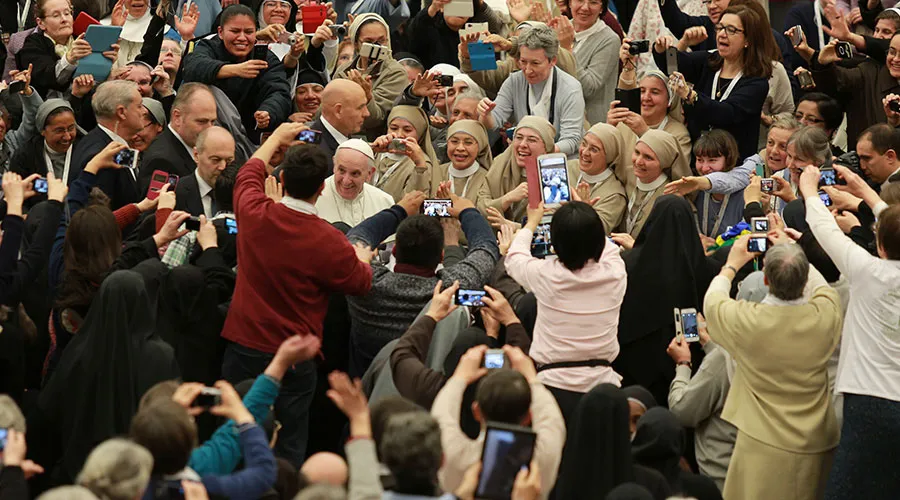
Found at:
[119, 184]
[168, 154]
[38, 51]
[329, 144]
[187, 196]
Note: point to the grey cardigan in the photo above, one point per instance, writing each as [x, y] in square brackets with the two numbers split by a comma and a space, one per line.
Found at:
[568, 118]
[598, 71]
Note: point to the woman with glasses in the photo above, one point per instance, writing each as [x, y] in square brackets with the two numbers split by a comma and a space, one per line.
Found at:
[726, 89]
[819, 110]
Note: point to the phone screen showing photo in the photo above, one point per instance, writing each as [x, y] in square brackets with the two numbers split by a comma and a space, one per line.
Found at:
[506, 451]
[541, 246]
[689, 323]
[554, 181]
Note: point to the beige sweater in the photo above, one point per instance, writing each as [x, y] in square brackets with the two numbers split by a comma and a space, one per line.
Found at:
[612, 203]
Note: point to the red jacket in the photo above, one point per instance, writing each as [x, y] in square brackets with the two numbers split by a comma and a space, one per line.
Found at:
[288, 264]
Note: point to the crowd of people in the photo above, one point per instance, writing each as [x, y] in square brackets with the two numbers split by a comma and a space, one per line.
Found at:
[285, 249]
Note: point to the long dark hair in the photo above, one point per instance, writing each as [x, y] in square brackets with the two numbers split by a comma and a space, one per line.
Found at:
[93, 243]
[761, 50]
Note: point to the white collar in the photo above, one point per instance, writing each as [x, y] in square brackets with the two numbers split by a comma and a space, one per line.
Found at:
[189, 149]
[466, 172]
[775, 301]
[202, 184]
[652, 186]
[596, 178]
[304, 207]
[339, 137]
[112, 135]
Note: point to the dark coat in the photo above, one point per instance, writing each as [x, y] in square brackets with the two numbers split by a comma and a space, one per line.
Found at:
[38, 51]
[119, 184]
[329, 144]
[187, 196]
[168, 154]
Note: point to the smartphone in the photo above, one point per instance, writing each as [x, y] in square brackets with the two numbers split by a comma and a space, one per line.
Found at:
[636, 47]
[806, 80]
[759, 225]
[459, 8]
[629, 98]
[259, 51]
[758, 244]
[541, 245]
[828, 177]
[208, 397]
[231, 225]
[532, 178]
[825, 198]
[126, 158]
[445, 80]
[797, 37]
[507, 449]
[844, 50]
[158, 179]
[471, 298]
[510, 132]
[40, 185]
[16, 86]
[689, 324]
[192, 223]
[397, 145]
[437, 208]
[3, 434]
[314, 15]
[494, 359]
[671, 60]
[475, 29]
[377, 52]
[554, 178]
[310, 136]
[767, 185]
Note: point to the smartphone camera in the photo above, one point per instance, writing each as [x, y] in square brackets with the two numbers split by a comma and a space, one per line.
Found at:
[494, 359]
[844, 50]
[310, 136]
[337, 29]
[757, 244]
[767, 185]
[806, 79]
[40, 185]
[760, 224]
[260, 50]
[445, 80]
[125, 157]
[825, 198]
[192, 224]
[437, 208]
[397, 145]
[471, 298]
[208, 397]
[231, 225]
[3, 434]
[638, 47]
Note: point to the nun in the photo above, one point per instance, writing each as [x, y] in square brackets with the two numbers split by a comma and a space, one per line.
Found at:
[465, 175]
[598, 155]
[52, 148]
[396, 170]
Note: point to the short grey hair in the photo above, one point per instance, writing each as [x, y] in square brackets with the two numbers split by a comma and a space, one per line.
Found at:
[540, 37]
[788, 123]
[112, 94]
[787, 270]
[201, 138]
[411, 448]
[470, 93]
[68, 493]
[11, 416]
[117, 469]
[811, 144]
[322, 492]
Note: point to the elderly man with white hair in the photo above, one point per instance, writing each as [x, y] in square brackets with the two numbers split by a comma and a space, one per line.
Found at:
[347, 196]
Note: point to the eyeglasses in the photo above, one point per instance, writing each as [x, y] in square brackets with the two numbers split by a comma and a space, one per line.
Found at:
[808, 119]
[59, 15]
[277, 3]
[730, 30]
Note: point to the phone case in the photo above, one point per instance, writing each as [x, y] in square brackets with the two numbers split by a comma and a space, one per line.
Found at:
[534, 182]
[82, 22]
[671, 60]
[481, 55]
[102, 37]
[313, 17]
[679, 330]
[557, 192]
[459, 9]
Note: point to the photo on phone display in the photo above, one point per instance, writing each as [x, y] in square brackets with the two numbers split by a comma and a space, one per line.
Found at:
[554, 179]
[825, 198]
[437, 208]
[231, 225]
[125, 157]
[758, 244]
[494, 359]
[541, 245]
[507, 449]
[310, 136]
[471, 298]
[40, 185]
[828, 177]
[767, 185]
[689, 325]
[3, 434]
[759, 224]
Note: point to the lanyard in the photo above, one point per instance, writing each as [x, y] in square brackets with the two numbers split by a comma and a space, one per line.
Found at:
[23, 14]
[465, 188]
[65, 174]
[715, 85]
[705, 221]
[631, 220]
[552, 98]
[381, 179]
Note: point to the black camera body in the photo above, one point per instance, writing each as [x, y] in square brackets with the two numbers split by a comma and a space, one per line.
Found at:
[638, 47]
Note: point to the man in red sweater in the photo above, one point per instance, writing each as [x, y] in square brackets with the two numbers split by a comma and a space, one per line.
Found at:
[289, 262]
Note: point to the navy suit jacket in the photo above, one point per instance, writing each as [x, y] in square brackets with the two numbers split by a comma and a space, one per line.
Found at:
[329, 144]
[119, 184]
[187, 195]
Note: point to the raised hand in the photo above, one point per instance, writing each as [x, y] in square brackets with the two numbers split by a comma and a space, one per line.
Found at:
[188, 22]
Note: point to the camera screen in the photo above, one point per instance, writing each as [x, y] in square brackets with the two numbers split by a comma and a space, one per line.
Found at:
[2, 439]
[40, 185]
[555, 182]
[689, 323]
[172, 181]
[767, 185]
[470, 298]
[125, 158]
[760, 226]
[541, 246]
[437, 208]
[828, 178]
[825, 198]
[231, 225]
[493, 360]
[504, 454]
[757, 244]
[308, 136]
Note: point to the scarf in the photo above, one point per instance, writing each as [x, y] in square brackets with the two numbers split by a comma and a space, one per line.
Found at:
[61, 49]
[543, 103]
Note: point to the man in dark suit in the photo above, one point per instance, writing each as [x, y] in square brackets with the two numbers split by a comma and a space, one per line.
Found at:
[120, 115]
[195, 193]
[343, 112]
[193, 111]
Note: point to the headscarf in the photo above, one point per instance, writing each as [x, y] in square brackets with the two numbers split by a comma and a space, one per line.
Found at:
[659, 443]
[417, 117]
[629, 491]
[113, 360]
[674, 107]
[290, 25]
[611, 140]
[499, 172]
[664, 145]
[446, 69]
[477, 131]
[598, 445]
[364, 18]
[666, 269]
[308, 75]
[640, 395]
[542, 127]
[49, 106]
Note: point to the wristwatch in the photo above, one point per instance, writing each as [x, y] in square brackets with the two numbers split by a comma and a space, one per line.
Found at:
[685, 363]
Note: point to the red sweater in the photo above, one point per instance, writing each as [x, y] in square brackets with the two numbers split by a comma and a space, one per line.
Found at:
[288, 264]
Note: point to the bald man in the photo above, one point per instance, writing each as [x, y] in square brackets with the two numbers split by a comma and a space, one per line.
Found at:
[343, 112]
[214, 150]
